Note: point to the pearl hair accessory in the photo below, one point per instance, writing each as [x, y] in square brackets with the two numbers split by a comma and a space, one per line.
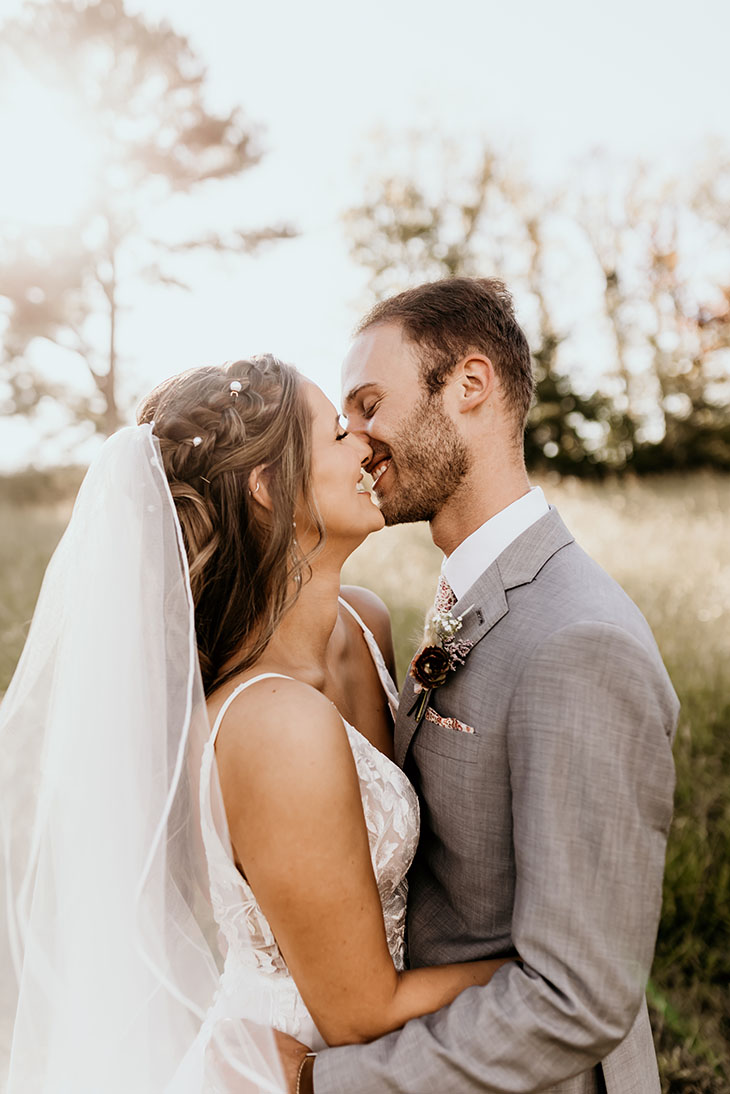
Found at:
[197, 441]
[236, 386]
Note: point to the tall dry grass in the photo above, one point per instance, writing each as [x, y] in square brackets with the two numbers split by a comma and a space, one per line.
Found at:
[667, 541]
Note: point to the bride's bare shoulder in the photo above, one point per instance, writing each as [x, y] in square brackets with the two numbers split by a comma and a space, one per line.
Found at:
[284, 760]
[278, 719]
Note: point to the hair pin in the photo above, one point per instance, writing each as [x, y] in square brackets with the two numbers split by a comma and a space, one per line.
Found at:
[236, 386]
[205, 480]
[197, 441]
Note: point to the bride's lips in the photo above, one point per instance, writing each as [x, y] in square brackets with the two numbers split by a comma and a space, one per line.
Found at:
[365, 486]
[364, 483]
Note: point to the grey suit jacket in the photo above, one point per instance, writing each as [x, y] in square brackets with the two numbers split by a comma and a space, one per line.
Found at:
[543, 832]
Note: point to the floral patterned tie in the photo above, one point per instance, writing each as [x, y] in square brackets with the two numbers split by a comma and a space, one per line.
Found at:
[445, 598]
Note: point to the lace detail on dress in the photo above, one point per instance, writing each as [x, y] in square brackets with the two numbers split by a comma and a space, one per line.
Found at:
[390, 806]
[253, 959]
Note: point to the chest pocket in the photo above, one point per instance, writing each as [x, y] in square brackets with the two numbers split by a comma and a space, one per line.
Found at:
[443, 740]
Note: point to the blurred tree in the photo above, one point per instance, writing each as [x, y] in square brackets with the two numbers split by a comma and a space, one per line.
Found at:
[140, 90]
[667, 312]
[402, 236]
[573, 431]
[690, 341]
[608, 225]
[490, 220]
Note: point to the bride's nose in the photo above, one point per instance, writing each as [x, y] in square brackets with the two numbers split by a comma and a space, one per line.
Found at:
[365, 447]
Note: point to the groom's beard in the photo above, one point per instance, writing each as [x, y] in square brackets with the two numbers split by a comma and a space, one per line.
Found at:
[430, 461]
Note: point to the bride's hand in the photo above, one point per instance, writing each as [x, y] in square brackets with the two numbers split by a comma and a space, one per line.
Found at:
[292, 1054]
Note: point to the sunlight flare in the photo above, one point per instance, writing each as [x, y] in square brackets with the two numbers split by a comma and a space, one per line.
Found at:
[51, 161]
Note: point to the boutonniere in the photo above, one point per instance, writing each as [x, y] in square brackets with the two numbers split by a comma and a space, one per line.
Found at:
[440, 654]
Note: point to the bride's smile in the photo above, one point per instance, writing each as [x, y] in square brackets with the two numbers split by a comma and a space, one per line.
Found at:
[339, 458]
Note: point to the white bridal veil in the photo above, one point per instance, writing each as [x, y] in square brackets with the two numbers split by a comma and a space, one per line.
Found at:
[102, 731]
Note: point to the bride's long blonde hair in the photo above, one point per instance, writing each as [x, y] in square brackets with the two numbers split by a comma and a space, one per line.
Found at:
[245, 568]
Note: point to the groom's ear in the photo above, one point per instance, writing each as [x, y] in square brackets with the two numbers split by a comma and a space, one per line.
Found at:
[475, 381]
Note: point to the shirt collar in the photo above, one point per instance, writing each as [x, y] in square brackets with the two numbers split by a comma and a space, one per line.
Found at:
[470, 559]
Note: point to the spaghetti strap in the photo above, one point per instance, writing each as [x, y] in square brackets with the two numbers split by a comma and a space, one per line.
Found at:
[236, 692]
[346, 604]
[376, 653]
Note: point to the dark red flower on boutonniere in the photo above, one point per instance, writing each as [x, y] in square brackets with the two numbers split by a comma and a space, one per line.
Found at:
[441, 654]
[431, 667]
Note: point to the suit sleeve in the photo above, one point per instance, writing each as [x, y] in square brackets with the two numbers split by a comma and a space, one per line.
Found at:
[592, 779]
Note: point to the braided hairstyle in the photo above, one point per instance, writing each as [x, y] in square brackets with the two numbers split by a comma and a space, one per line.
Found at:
[214, 426]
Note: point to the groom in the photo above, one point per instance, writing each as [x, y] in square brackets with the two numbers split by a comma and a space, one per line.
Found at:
[543, 762]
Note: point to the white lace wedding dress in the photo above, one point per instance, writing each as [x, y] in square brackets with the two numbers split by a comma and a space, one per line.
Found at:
[256, 982]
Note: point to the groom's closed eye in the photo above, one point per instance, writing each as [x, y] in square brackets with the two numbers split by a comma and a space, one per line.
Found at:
[362, 400]
[369, 410]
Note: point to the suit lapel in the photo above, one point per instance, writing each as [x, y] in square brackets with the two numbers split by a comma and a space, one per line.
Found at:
[481, 612]
[485, 603]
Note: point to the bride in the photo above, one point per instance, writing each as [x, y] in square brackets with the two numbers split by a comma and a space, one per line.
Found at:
[202, 721]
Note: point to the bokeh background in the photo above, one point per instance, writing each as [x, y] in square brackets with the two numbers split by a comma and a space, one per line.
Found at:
[183, 184]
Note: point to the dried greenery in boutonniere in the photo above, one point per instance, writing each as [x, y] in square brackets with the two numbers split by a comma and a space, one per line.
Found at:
[440, 655]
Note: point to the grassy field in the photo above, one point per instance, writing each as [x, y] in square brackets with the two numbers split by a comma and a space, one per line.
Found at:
[667, 540]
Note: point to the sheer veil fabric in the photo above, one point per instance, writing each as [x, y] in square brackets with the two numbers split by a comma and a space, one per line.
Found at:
[108, 917]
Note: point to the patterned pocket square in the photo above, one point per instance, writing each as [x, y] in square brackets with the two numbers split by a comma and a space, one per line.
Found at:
[448, 723]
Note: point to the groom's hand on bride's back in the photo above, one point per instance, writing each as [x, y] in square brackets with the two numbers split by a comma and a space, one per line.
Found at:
[292, 1054]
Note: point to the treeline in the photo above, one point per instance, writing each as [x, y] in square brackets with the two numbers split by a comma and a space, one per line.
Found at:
[622, 283]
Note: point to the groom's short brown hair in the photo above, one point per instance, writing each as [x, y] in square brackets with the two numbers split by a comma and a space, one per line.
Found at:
[449, 319]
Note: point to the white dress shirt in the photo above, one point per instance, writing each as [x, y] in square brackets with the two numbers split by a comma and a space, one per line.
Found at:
[469, 560]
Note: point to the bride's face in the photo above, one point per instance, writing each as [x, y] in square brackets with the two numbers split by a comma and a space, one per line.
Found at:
[346, 507]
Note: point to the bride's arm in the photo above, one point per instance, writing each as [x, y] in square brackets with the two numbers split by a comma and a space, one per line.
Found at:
[294, 811]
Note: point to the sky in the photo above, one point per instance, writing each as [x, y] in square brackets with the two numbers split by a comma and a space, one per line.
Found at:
[549, 81]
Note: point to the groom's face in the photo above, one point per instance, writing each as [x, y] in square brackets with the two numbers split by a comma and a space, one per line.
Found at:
[419, 458]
